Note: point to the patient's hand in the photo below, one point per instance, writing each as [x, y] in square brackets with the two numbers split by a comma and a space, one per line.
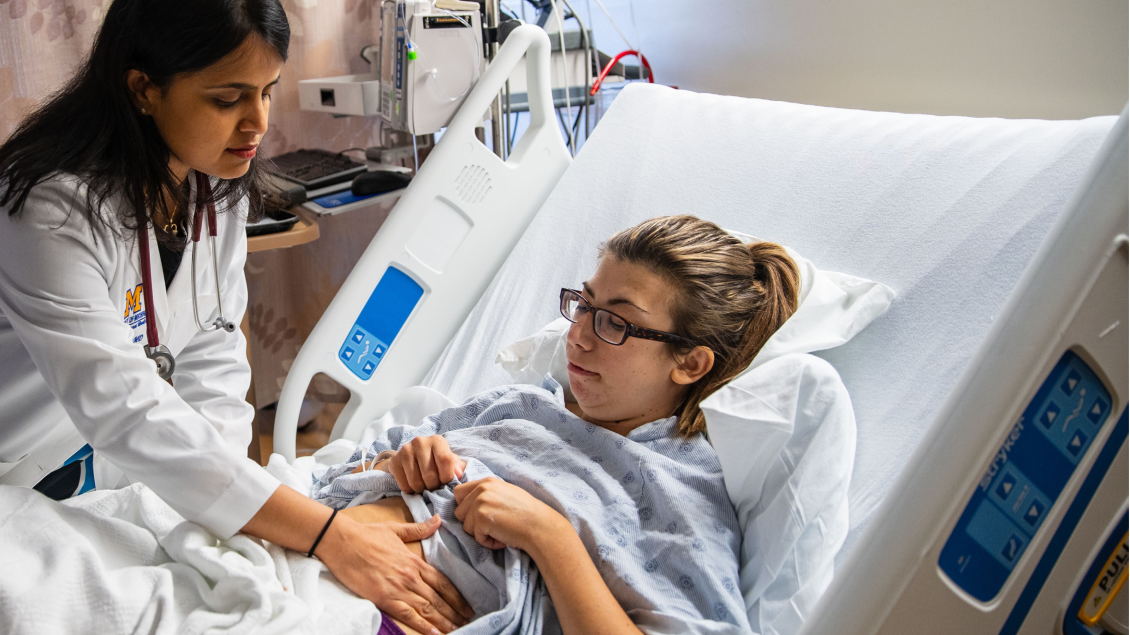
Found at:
[499, 514]
[425, 463]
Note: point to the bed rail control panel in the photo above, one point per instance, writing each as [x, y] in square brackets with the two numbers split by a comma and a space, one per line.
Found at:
[1025, 478]
[388, 308]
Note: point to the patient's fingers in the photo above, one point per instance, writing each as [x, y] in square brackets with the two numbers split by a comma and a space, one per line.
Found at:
[427, 469]
[448, 466]
[485, 539]
[463, 490]
[396, 468]
[412, 474]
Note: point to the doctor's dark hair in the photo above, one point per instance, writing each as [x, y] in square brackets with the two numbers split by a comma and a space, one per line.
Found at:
[91, 127]
[729, 296]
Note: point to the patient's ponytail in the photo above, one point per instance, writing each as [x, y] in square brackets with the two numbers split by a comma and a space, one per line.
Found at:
[731, 297]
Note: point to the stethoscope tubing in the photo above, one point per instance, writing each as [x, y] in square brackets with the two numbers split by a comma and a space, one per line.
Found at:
[205, 209]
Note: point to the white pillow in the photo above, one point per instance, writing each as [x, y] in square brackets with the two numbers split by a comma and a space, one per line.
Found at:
[833, 308]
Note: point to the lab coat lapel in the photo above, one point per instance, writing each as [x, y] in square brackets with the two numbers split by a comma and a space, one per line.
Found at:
[160, 299]
[180, 307]
[181, 318]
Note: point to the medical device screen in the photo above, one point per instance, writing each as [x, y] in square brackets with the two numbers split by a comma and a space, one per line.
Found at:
[1025, 478]
[380, 321]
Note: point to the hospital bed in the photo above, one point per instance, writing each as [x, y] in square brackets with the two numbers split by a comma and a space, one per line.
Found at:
[1005, 241]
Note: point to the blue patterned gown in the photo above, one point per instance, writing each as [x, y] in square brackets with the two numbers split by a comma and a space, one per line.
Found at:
[650, 507]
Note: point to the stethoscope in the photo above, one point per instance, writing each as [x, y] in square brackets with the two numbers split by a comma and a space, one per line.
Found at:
[154, 349]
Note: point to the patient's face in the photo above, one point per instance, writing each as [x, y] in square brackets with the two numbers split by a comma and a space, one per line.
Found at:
[623, 387]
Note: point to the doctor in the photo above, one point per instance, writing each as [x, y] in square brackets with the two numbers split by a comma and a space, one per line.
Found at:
[101, 192]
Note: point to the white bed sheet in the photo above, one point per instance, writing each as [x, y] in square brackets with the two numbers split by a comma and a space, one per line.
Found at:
[946, 210]
[122, 561]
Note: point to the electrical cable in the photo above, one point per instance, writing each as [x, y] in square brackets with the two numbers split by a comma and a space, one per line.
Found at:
[564, 72]
[588, 68]
[614, 25]
[594, 56]
[635, 29]
[576, 120]
[612, 62]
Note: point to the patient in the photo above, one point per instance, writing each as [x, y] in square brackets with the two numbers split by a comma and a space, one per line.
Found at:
[615, 494]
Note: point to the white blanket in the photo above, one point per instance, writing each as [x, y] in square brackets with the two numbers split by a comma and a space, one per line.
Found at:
[123, 561]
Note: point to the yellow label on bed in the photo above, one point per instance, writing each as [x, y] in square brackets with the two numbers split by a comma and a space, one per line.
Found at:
[1106, 586]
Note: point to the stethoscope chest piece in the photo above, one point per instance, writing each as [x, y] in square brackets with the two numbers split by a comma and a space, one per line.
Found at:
[164, 360]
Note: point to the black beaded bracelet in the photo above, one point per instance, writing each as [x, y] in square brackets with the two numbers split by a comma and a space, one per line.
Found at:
[321, 535]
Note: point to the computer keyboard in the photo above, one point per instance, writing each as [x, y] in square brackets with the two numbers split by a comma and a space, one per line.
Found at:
[314, 169]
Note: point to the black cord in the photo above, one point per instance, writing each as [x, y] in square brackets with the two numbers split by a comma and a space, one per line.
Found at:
[565, 126]
[321, 535]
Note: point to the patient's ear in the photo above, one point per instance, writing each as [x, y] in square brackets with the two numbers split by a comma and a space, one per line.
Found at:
[693, 366]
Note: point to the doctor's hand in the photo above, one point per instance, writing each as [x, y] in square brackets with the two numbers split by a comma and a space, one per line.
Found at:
[373, 562]
[499, 514]
[370, 559]
[425, 463]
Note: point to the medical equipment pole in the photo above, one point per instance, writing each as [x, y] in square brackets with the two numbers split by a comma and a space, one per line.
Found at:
[496, 136]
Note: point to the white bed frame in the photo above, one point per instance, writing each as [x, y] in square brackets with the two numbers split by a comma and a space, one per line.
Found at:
[449, 233]
[1073, 297]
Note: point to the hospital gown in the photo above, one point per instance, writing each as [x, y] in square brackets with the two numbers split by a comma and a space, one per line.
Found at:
[650, 507]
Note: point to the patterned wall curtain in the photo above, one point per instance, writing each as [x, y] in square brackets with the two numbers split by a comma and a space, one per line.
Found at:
[42, 41]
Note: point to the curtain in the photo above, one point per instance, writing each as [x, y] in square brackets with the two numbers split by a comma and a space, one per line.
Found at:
[43, 41]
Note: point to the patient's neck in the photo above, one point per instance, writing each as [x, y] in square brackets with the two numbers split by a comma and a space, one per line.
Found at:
[619, 427]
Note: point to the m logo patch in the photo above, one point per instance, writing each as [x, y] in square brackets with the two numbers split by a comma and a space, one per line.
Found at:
[135, 309]
[134, 300]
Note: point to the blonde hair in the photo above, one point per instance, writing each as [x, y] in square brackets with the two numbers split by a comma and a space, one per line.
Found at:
[729, 296]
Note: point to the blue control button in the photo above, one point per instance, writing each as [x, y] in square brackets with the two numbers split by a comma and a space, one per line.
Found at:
[997, 534]
[1077, 443]
[1070, 382]
[1095, 414]
[1012, 548]
[362, 357]
[1035, 513]
[1008, 483]
[1048, 418]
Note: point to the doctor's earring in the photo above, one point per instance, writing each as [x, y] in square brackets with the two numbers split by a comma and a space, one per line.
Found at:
[144, 111]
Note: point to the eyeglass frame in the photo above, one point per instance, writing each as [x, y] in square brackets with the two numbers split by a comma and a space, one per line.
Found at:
[631, 331]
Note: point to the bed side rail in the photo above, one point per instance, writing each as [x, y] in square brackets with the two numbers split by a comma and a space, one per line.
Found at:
[434, 256]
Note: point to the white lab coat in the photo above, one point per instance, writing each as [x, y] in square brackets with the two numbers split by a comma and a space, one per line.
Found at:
[73, 371]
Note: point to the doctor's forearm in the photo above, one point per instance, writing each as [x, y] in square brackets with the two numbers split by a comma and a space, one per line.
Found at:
[289, 519]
